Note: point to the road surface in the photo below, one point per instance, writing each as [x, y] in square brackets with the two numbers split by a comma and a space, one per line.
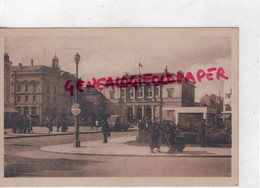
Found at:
[23, 158]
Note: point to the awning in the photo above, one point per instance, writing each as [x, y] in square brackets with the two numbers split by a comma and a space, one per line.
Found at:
[10, 110]
[225, 116]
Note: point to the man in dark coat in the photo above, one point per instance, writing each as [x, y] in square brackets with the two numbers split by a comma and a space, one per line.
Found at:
[58, 123]
[171, 135]
[50, 126]
[25, 124]
[14, 123]
[153, 136]
[157, 142]
[92, 124]
[29, 124]
[141, 125]
[64, 125]
[105, 130]
[20, 123]
[160, 136]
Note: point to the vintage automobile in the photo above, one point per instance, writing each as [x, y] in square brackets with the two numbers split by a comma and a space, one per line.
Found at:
[117, 123]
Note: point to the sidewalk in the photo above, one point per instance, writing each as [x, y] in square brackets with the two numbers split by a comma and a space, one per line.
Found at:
[118, 147]
[43, 131]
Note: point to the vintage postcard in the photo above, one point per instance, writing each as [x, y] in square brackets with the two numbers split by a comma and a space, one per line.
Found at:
[119, 107]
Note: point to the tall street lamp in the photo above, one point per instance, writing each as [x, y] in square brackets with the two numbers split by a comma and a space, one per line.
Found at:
[75, 107]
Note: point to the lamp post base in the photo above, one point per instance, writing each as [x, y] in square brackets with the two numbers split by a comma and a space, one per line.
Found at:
[76, 143]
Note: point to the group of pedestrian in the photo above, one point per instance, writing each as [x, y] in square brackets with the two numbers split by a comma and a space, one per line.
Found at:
[22, 124]
[157, 133]
[62, 123]
[166, 133]
[94, 124]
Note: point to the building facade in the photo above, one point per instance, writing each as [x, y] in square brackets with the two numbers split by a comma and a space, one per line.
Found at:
[212, 101]
[148, 100]
[39, 91]
[7, 81]
[173, 101]
[9, 110]
[227, 103]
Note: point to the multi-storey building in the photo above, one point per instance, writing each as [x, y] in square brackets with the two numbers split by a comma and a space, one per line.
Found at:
[148, 100]
[39, 90]
[174, 101]
[8, 107]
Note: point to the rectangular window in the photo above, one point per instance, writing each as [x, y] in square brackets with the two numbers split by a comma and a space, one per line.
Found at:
[54, 99]
[140, 93]
[34, 110]
[156, 91]
[34, 98]
[19, 88]
[26, 99]
[26, 110]
[131, 93]
[122, 93]
[48, 99]
[19, 98]
[34, 88]
[112, 95]
[55, 90]
[170, 92]
[26, 88]
[149, 92]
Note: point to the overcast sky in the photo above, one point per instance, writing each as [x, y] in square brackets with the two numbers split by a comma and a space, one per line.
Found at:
[113, 52]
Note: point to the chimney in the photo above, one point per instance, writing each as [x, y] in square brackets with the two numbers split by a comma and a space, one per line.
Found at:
[6, 57]
[31, 62]
[166, 70]
[20, 65]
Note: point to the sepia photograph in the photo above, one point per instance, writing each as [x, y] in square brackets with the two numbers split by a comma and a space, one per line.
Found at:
[142, 104]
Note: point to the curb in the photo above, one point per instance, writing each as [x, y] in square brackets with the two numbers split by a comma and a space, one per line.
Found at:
[128, 155]
[41, 135]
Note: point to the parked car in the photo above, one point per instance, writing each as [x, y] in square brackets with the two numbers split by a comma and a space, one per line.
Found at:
[117, 123]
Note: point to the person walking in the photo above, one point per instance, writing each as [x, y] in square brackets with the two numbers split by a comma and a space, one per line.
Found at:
[141, 125]
[105, 130]
[58, 122]
[97, 124]
[160, 136]
[29, 124]
[50, 126]
[20, 123]
[92, 124]
[25, 124]
[14, 124]
[152, 135]
[171, 137]
[64, 125]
